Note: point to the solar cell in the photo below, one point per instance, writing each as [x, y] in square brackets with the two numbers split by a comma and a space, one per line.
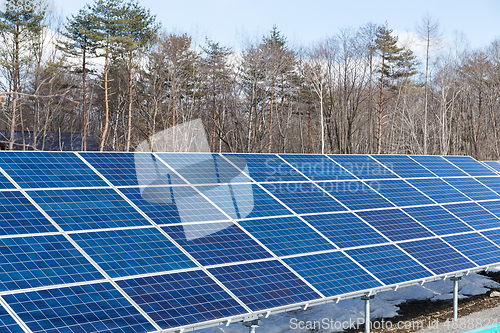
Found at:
[438, 190]
[19, 216]
[492, 207]
[332, 273]
[437, 255]
[389, 264]
[5, 183]
[395, 224]
[80, 209]
[129, 169]
[48, 169]
[400, 192]
[244, 201]
[355, 195]
[472, 188]
[474, 215]
[476, 247]
[216, 243]
[492, 183]
[267, 168]
[345, 229]
[403, 166]
[438, 220]
[363, 166]
[167, 205]
[264, 285]
[286, 235]
[494, 165]
[470, 165]
[7, 323]
[204, 168]
[304, 198]
[439, 166]
[86, 308]
[317, 167]
[178, 299]
[132, 252]
[31, 262]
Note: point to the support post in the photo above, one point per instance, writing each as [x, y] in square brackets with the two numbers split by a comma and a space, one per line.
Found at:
[367, 299]
[252, 325]
[455, 280]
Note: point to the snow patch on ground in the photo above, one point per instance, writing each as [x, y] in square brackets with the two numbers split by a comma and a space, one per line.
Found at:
[384, 305]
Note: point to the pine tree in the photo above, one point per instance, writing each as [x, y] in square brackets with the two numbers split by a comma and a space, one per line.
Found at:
[390, 55]
[20, 24]
[108, 15]
[138, 32]
[80, 31]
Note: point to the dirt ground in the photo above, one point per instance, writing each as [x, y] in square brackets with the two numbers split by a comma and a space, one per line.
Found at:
[429, 312]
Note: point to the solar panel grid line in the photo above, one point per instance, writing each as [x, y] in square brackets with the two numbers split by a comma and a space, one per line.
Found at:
[363, 181]
[178, 246]
[54, 286]
[310, 180]
[423, 166]
[14, 315]
[489, 188]
[488, 166]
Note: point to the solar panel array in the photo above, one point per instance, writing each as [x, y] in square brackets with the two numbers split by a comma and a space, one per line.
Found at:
[141, 242]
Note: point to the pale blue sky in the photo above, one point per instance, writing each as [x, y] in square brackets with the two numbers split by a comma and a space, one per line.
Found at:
[305, 22]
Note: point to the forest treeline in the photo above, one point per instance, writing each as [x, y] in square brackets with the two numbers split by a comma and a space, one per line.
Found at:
[110, 72]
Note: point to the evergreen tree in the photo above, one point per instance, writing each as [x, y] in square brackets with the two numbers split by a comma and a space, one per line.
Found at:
[390, 55]
[20, 24]
[80, 31]
[138, 32]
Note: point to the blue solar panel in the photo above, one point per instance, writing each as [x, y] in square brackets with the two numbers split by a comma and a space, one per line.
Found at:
[318, 167]
[389, 264]
[88, 308]
[216, 243]
[470, 165]
[45, 170]
[173, 204]
[5, 183]
[286, 235]
[345, 229]
[472, 188]
[493, 165]
[355, 195]
[332, 273]
[19, 216]
[264, 285]
[80, 209]
[7, 323]
[492, 183]
[438, 190]
[30, 262]
[363, 166]
[133, 251]
[474, 215]
[181, 298]
[439, 166]
[492, 207]
[400, 192]
[437, 256]
[267, 168]
[244, 201]
[403, 166]
[128, 169]
[438, 220]
[493, 235]
[475, 247]
[304, 198]
[395, 224]
[204, 168]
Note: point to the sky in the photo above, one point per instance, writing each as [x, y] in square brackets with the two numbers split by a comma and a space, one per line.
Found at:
[230, 22]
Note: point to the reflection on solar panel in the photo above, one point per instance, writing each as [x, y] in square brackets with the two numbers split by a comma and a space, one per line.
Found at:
[144, 242]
